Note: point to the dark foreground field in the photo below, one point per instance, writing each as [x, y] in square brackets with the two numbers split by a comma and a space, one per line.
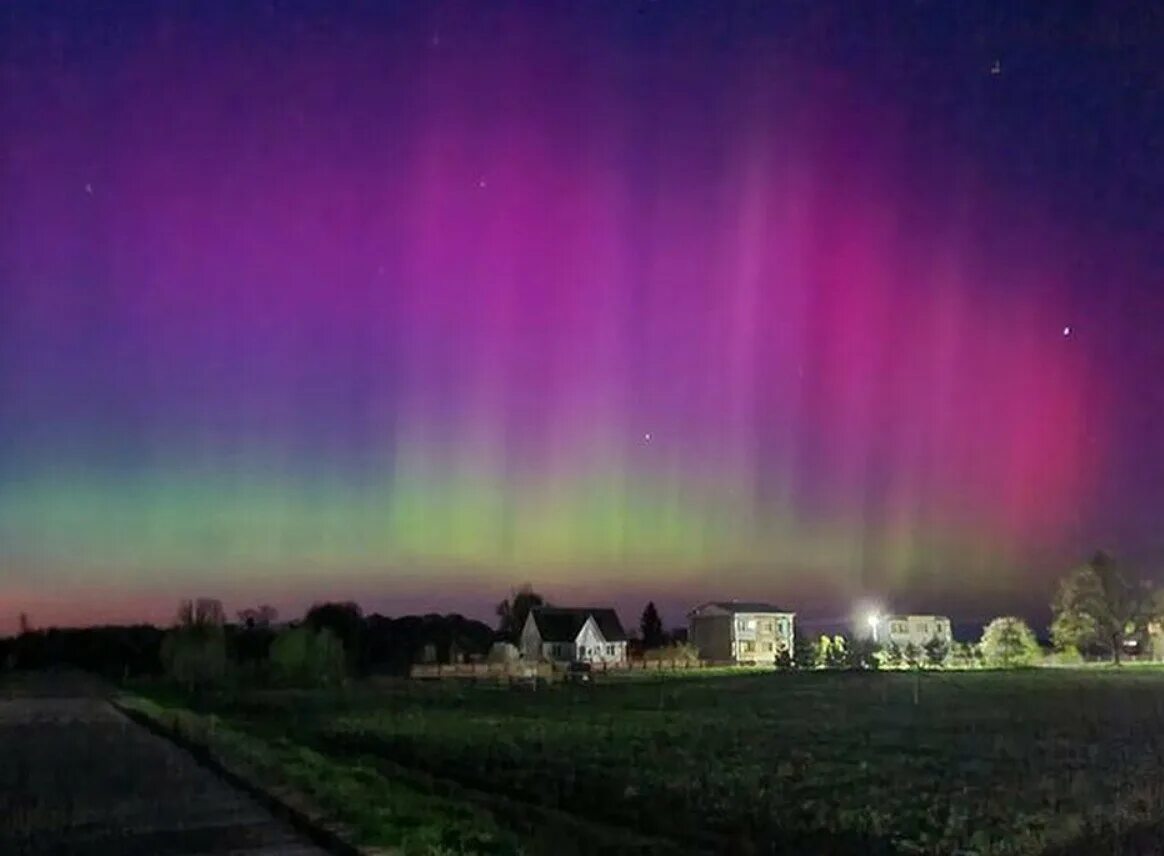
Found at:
[984, 762]
[78, 778]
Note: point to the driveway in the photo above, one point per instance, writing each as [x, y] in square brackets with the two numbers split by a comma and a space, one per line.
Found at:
[77, 777]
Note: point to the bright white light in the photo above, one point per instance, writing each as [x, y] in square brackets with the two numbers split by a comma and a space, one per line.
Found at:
[1067, 331]
[647, 436]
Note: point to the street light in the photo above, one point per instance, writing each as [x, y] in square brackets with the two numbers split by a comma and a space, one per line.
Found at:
[874, 619]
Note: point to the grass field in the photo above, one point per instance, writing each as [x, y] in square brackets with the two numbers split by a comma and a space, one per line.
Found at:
[982, 762]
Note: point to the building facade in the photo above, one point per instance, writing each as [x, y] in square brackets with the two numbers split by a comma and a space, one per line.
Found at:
[916, 630]
[741, 631]
[574, 635]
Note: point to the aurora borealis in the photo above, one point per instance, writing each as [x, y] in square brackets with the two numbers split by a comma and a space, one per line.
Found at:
[414, 303]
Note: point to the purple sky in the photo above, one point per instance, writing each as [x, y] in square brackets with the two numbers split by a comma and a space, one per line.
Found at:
[677, 300]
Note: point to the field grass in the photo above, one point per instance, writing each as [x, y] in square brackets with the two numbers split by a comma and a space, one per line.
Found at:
[983, 762]
[348, 794]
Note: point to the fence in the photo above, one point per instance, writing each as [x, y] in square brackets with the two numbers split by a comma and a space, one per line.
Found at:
[525, 670]
[483, 671]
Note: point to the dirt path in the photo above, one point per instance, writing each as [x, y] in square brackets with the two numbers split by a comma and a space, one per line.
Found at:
[77, 777]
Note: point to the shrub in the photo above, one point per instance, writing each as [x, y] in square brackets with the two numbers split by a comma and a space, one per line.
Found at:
[804, 651]
[863, 654]
[832, 653]
[1068, 655]
[195, 656]
[1008, 643]
[891, 656]
[681, 651]
[964, 655]
[937, 652]
[912, 655]
[305, 657]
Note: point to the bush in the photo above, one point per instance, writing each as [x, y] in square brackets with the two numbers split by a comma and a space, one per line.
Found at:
[195, 656]
[864, 654]
[891, 656]
[804, 651]
[965, 655]
[911, 656]
[1008, 643]
[937, 652]
[1068, 655]
[682, 651]
[305, 657]
[832, 652]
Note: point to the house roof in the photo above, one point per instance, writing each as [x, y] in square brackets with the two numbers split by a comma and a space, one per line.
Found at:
[735, 606]
[916, 616]
[561, 624]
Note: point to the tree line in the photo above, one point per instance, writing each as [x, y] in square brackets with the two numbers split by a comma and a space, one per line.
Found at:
[331, 641]
[1099, 610]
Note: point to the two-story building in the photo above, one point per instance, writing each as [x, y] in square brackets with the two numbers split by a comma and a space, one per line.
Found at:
[568, 635]
[916, 630]
[740, 631]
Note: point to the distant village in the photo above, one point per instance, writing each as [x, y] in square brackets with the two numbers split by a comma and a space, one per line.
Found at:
[718, 633]
[1099, 613]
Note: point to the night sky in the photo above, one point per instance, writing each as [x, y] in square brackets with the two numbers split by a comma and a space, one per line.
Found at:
[413, 302]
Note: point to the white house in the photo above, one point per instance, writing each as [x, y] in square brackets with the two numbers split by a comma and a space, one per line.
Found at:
[582, 634]
[916, 630]
[741, 631]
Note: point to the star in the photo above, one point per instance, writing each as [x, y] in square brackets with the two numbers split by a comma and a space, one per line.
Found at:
[647, 437]
[996, 68]
[89, 189]
[1066, 331]
[481, 182]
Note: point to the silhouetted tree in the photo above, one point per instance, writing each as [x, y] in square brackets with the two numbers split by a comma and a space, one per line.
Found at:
[513, 611]
[652, 627]
[804, 650]
[346, 621]
[862, 654]
[1097, 605]
[25, 624]
[114, 652]
[194, 652]
[262, 616]
[380, 643]
[205, 611]
[303, 656]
